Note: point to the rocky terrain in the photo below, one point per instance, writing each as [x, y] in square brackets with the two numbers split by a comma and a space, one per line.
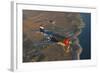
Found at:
[34, 50]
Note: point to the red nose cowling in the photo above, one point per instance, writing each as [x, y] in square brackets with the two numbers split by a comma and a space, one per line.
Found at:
[67, 42]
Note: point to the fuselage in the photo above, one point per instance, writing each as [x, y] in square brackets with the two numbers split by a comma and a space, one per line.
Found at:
[55, 37]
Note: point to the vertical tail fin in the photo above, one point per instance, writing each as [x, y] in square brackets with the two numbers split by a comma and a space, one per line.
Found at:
[41, 29]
